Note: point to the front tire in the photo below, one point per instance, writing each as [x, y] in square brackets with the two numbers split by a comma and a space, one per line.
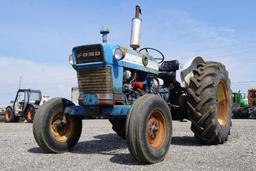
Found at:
[210, 103]
[149, 129]
[30, 114]
[118, 125]
[54, 131]
[10, 116]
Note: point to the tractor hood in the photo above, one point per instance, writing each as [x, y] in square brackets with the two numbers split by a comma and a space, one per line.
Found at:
[90, 56]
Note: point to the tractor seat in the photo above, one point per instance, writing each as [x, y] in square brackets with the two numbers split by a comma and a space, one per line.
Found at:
[167, 71]
[169, 66]
[166, 75]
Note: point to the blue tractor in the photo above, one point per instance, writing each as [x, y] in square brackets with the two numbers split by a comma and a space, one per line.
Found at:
[139, 94]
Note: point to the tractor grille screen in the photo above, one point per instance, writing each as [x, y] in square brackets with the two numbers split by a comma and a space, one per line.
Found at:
[96, 80]
[91, 53]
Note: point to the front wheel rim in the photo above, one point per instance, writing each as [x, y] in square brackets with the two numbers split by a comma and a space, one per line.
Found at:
[222, 103]
[7, 115]
[30, 114]
[156, 129]
[60, 131]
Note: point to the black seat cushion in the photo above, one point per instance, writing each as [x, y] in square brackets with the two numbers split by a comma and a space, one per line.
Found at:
[169, 66]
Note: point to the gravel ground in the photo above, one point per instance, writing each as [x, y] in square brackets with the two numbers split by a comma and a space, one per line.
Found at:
[100, 149]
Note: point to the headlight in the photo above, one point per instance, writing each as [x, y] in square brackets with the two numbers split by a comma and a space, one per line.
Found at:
[119, 54]
[70, 59]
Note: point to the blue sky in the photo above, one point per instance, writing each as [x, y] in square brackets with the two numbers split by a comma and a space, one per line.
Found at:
[36, 37]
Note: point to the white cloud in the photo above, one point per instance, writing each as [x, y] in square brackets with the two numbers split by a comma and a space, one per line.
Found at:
[53, 80]
[228, 30]
[181, 36]
[177, 33]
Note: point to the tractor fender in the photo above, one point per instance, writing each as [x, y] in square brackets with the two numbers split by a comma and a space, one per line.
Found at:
[44, 99]
[186, 73]
[34, 105]
[9, 107]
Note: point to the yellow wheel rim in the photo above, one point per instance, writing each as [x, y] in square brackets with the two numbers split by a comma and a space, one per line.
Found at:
[59, 131]
[222, 103]
[156, 129]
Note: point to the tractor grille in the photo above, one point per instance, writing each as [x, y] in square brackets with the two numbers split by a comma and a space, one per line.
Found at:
[91, 53]
[96, 80]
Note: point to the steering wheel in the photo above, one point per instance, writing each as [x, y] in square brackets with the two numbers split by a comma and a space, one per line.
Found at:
[159, 59]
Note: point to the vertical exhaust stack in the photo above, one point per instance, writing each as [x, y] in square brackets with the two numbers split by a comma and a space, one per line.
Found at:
[104, 31]
[135, 32]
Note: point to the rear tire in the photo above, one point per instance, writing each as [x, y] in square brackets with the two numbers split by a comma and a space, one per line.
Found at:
[149, 129]
[118, 125]
[51, 132]
[9, 116]
[210, 103]
[30, 114]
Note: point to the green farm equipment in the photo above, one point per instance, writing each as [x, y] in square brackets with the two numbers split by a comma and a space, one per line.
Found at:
[242, 106]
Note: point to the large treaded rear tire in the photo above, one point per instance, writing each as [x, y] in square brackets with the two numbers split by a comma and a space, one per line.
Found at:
[210, 103]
